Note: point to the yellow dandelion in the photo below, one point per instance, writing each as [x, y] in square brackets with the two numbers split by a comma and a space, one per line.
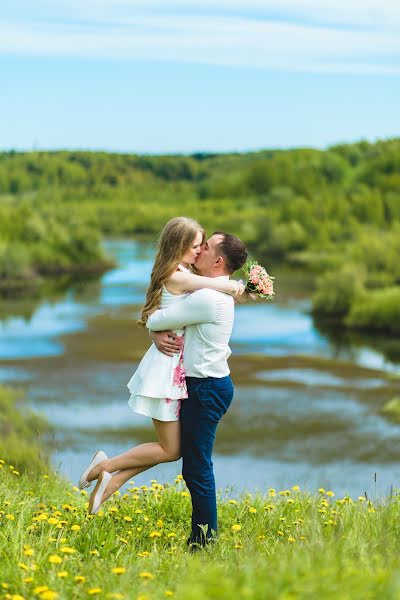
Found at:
[185, 494]
[29, 552]
[168, 593]
[10, 517]
[290, 501]
[45, 476]
[5, 586]
[233, 502]
[123, 540]
[155, 534]
[94, 591]
[79, 579]
[55, 559]
[330, 493]
[261, 537]
[291, 539]
[53, 521]
[75, 527]
[280, 532]
[62, 574]
[28, 579]
[94, 552]
[23, 566]
[236, 527]
[321, 490]
[146, 575]
[115, 595]
[113, 509]
[40, 589]
[138, 511]
[67, 550]
[143, 554]
[16, 597]
[63, 540]
[129, 519]
[252, 510]
[159, 523]
[361, 498]
[296, 488]
[49, 595]
[171, 534]
[118, 570]
[179, 477]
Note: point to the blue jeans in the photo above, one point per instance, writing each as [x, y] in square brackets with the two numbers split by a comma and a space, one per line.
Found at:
[208, 400]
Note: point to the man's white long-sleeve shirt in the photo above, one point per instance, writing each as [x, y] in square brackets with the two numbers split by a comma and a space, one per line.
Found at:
[208, 317]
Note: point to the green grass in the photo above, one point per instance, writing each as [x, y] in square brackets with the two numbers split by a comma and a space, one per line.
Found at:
[284, 544]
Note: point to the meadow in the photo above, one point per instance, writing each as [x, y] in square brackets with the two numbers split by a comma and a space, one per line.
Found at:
[280, 544]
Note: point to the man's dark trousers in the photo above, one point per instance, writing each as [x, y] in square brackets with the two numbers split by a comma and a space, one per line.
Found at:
[208, 400]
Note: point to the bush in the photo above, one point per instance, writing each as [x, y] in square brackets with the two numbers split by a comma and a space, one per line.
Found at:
[378, 311]
[337, 290]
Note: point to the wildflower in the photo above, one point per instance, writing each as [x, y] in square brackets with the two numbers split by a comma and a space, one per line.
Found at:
[16, 597]
[290, 501]
[115, 595]
[179, 477]
[321, 490]
[238, 546]
[171, 535]
[118, 570]
[28, 579]
[361, 498]
[40, 589]
[143, 554]
[5, 586]
[67, 550]
[330, 493]
[94, 552]
[123, 540]
[144, 488]
[234, 502]
[53, 521]
[236, 527]
[22, 566]
[94, 591]
[10, 517]
[113, 509]
[252, 510]
[272, 492]
[168, 593]
[129, 519]
[160, 523]
[79, 579]
[146, 575]
[75, 527]
[155, 534]
[49, 595]
[55, 559]
[261, 537]
[45, 476]
[291, 539]
[296, 488]
[62, 574]
[138, 511]
[29, 552]
[16, 472]
[185, 494]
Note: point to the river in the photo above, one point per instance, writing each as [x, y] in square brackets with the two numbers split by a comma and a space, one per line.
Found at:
[307, 408]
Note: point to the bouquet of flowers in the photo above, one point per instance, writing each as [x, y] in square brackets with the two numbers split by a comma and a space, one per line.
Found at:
[258, 281]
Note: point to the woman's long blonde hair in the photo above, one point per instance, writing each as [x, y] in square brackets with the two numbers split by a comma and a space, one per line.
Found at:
[175, 240]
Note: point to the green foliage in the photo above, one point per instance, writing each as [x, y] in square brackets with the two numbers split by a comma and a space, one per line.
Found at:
[378, 310]
[338, 290]
[20, 431]
[311, 208]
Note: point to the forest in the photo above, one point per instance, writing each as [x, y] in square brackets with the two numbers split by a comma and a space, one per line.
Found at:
[334, 213]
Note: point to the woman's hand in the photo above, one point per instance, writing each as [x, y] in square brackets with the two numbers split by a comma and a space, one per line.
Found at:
[238, 288]
[167, 342]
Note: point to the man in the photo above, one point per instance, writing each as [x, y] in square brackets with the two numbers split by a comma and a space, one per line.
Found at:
[208, 317]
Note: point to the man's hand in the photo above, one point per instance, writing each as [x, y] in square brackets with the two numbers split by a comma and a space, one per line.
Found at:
[167, 342]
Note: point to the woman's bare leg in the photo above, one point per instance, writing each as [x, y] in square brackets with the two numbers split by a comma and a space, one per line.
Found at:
[144, 456]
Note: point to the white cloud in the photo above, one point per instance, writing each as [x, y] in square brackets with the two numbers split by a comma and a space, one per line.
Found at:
[347, 37]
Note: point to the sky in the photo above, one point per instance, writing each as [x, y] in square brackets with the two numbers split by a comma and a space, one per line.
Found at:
[182, 76]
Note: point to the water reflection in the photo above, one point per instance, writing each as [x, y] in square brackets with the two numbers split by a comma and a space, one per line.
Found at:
[307, 404]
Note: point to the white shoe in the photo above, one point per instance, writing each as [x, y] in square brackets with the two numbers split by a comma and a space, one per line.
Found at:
[97, 494]
[97, 458]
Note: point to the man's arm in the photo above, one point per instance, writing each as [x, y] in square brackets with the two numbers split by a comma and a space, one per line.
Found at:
[199, 307]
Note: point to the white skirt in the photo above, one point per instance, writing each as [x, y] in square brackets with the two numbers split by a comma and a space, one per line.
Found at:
[162, 409]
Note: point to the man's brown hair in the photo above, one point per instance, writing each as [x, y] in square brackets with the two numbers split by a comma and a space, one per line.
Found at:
[233, 251]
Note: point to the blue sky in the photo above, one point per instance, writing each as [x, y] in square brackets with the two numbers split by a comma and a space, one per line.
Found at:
[186, 76]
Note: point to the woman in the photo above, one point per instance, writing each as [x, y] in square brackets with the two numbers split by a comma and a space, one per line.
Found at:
[158, 386]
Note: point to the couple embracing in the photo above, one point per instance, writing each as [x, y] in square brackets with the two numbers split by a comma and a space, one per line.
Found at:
[183, 381]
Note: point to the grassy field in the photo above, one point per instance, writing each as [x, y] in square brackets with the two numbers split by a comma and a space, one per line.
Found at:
[284, 544]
